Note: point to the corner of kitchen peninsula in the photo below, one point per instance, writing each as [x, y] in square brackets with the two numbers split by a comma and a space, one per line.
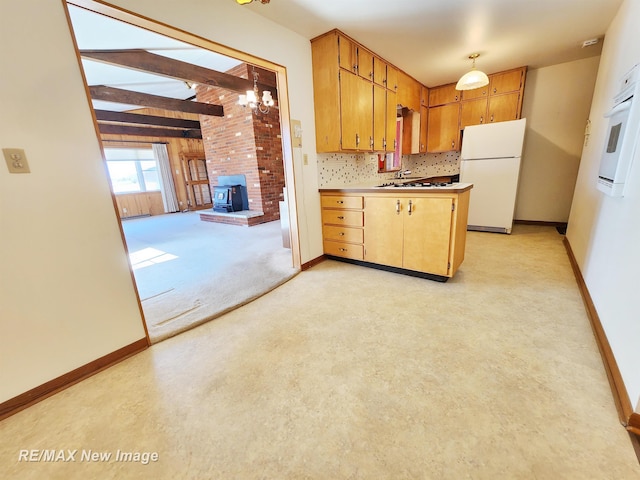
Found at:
[413, 228]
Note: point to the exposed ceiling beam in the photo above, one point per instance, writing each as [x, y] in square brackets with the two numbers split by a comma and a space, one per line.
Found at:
[124, 117]
[117, 95]
[144, 61]
[107, 128]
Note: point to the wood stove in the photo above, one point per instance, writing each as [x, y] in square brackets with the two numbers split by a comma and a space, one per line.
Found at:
[227, 198]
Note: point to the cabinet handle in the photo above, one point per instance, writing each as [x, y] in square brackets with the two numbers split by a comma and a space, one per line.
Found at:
[456, 98]
[453, 143]
[357, 139]
[481, 118]
[341, 234]
[410, 207]
[384, 143]
[495, 90]
[492, 117]
[343, 249]
[339, 201]
[398, 207]
[340, 217]
[371, 142]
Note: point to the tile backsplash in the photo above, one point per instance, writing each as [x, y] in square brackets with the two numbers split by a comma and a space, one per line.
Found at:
[342, 168]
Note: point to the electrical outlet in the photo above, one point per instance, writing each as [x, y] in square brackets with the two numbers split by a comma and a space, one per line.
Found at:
[16, 160]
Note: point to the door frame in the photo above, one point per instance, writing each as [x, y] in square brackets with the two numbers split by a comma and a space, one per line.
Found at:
[97, 6]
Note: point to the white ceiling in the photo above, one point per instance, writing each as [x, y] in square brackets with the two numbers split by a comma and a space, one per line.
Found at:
[429, 39]
[432, 39]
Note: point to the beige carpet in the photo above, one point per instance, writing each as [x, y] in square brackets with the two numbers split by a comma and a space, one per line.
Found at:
[188, 271]
[346, 372]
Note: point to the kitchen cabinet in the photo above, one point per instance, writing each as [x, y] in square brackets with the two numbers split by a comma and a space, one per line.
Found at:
[409, 91]
[424, 128]
[348, 82]
[499, 101]
[443, 94]
[443, 134]
[419, 232]
[356, 104]
[342, 225]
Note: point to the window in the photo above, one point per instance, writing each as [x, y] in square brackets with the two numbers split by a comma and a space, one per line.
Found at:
[132, 170]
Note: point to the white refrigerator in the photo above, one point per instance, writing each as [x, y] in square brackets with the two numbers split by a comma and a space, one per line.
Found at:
[490, 159]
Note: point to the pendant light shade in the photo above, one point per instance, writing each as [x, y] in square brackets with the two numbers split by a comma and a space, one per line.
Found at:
[473, 78]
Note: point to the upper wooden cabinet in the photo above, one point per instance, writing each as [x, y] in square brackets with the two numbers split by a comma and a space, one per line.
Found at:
[443, 134]
[352, 115]
[443, 94]
[409, 92]
[499, 101]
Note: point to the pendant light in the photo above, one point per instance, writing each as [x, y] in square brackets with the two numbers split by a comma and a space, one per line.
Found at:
[473, 78]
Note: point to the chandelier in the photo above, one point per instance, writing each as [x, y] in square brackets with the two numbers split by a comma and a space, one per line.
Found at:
[251, 98]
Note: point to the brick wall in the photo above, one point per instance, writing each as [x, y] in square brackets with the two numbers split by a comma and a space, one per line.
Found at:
[245, 143]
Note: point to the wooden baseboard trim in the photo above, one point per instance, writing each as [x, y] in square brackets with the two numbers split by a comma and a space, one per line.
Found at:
[618, 389]
[541, 223]
[634, 423]
[24, 400]
[313, 263]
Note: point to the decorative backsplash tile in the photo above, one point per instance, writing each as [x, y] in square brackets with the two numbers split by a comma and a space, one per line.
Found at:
[342, 169]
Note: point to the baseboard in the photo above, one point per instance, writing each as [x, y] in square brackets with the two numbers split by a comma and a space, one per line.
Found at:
[628, 418]
[24, 400]
[540, 223]
[313, 263]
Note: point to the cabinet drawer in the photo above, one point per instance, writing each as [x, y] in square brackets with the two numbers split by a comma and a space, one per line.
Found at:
[340, 201]
[343, 234]
[346, 250]
[343, 217]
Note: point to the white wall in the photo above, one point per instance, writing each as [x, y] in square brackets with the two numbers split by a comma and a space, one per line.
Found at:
[604, 232]
[556, 105]
[66, 295]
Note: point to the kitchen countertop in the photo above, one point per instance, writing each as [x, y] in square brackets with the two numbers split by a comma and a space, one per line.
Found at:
[364, 188]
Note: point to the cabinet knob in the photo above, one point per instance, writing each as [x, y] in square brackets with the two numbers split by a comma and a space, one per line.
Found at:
[453, 143]
[495, 90]
[492, 117]
[482, 119]
[341, 218]
[398, 207]
[341, 234]
[339, 201]
[409, 209]
[343, 249]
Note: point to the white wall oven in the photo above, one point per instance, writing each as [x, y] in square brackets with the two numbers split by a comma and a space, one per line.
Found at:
[622, 134]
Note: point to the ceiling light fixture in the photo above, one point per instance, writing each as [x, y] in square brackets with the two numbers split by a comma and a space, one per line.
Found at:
[251, 98]
[246, 2]
[473, 78]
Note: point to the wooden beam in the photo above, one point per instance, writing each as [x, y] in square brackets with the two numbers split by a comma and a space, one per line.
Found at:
[144, 61]
[117, 95]
[108, 128]
[125, 117]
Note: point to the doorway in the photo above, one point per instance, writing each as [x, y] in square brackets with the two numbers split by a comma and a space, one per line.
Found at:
[191, 160]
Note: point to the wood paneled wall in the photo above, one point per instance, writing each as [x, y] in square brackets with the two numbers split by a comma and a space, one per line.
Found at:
[137, 204]
[175, 147]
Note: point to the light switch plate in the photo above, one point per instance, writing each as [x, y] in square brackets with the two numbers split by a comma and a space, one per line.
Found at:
[16, 160]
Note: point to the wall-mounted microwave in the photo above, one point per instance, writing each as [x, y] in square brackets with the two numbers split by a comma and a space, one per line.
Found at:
[622, 133]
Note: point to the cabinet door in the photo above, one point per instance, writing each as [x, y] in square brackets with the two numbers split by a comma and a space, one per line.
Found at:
[408, 92]
[427, 232]
[473, 112]
[365, 63]
[392, 78]
[444, 94]
[390, 136]
[383, 219]
[347, 54]
[349, 122]
[482, 92]
[444, 133]
[503, 107]
[506, 82]
[424, 122]
[379, 72]
[379, 117]
[365, 115]
[424, 96]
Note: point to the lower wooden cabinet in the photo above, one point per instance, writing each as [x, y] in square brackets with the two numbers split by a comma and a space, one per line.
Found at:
[421, 232]
[342, 226]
